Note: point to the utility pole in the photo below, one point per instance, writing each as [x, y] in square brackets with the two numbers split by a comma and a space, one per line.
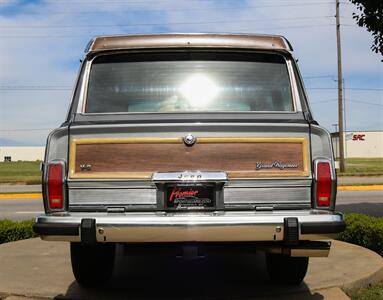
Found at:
[340, 92]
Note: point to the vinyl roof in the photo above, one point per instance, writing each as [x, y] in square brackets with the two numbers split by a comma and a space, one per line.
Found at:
[188, 40]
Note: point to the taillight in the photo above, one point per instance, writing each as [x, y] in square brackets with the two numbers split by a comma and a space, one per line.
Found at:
[55, 185]
[323, 183]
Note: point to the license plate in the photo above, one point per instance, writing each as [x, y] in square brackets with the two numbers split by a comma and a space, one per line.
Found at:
[190, 197]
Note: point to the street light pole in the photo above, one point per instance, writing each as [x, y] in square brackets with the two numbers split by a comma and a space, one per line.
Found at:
[340, 92]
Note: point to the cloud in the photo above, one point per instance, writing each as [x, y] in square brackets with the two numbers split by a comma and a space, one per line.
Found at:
[42, 42]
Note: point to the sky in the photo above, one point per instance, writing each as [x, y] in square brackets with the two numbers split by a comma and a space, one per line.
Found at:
[42, 42]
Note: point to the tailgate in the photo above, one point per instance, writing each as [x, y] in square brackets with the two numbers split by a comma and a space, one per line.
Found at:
[268, 165]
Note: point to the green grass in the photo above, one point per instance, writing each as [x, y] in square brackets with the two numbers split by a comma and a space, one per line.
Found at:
[373, 292]
[363, 167]
[27, 172]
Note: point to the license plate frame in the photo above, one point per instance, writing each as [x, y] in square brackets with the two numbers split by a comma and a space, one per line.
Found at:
[190, 196]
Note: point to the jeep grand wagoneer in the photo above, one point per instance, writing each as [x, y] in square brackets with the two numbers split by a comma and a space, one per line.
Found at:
[192, 142]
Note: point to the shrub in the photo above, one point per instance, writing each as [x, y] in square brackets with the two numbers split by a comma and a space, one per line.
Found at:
[13, 231]
[365, 231]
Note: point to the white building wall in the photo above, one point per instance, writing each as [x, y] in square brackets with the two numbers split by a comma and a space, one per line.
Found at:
[361, 144]
[22, 153]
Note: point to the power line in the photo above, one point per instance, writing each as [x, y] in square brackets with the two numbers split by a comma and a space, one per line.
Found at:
[243, 30]
[179, 10]
[34, 88]
[25, 129]
[348, 100]
[324, 101]
[37, 90]
[117, 2]
[319, 76]
[348, 88]
[166, 24]
[350, 25]
[364, 102]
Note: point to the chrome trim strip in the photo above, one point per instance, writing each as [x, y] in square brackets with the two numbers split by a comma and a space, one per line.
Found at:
[74, 89]
[302, 83]
[193, 125]
[294, 90]
[190, 176]
[278, 182]
[107, 197]
[274, 195]
[231, 174]
[270, 183]
[84, 88]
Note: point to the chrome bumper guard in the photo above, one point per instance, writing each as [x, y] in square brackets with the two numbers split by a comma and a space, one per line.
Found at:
[143, 227]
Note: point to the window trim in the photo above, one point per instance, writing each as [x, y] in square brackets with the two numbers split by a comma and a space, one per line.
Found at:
[296, 101]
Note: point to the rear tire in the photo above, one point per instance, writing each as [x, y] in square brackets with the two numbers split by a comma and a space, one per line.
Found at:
[284, 269]
[92, 265]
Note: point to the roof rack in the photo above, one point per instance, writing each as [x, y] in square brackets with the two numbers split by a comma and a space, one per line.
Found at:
[188, 40]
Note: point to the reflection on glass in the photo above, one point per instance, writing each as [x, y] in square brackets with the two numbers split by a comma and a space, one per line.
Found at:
[199, 90]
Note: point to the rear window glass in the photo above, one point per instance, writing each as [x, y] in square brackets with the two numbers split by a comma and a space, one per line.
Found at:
[187, 82]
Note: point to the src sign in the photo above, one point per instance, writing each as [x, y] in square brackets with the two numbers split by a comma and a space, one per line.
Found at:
[358, 137]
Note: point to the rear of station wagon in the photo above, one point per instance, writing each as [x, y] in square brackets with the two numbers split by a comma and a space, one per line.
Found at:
[194, 143]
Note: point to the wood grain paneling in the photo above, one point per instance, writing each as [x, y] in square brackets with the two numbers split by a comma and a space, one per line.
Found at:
[139, 158]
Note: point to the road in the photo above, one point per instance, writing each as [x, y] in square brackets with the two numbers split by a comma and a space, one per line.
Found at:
[367, 202]
[20, 209]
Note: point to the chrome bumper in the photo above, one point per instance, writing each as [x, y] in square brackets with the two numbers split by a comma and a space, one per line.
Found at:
[184, 227]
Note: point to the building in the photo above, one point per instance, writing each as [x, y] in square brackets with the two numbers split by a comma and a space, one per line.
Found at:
[21, 153]
[360, 144]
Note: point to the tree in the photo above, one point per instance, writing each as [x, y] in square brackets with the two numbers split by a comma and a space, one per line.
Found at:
[371, 17]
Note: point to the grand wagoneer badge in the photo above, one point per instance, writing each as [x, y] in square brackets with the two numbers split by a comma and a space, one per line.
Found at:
[275, 165]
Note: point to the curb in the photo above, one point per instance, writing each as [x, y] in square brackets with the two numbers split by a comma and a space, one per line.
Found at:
[373, 277]
[367, 280]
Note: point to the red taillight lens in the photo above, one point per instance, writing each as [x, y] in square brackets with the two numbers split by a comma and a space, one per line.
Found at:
[55, 186]
[323, 184]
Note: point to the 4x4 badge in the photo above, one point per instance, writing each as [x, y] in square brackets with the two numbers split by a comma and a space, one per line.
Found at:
[86, 167]
[189, 140]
